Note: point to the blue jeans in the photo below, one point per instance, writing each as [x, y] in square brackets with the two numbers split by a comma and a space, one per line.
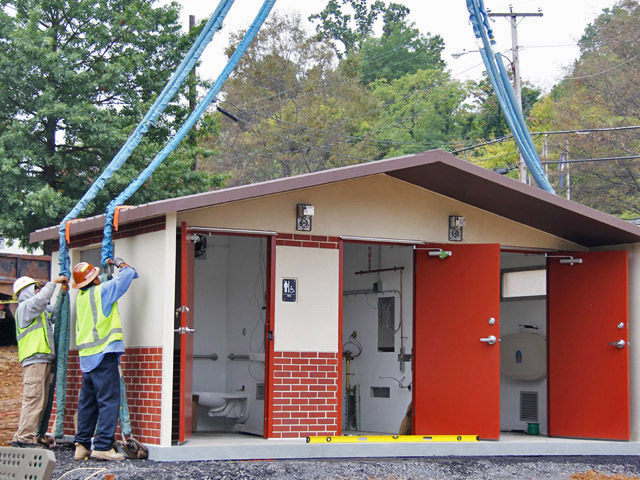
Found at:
[99, 404]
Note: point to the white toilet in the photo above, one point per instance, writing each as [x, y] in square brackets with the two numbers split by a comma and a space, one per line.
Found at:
[229, 405]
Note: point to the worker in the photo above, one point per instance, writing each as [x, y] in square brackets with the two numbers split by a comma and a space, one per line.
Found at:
[100, 344]
[34, 332]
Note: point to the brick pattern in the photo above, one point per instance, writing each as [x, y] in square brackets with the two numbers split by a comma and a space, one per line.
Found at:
[305, 394]
[126, 230]
[308, 241]
[142, 369]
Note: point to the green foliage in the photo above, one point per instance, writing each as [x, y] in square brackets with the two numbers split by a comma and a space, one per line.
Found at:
[75, 79]
[298, 111]
[401, 50]
[601, 91]
[421, 111]
[351, 29]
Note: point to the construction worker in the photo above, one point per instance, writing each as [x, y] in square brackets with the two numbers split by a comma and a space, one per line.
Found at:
[100, 343]
[34, 333]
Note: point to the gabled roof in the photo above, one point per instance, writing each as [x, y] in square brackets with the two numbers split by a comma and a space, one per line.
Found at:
[437, 171]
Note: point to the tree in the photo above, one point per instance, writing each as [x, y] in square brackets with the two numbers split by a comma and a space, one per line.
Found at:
[75, 79]
[351, 29]
[298, 110]
[421, 111]
[401, 50]
[600, 91]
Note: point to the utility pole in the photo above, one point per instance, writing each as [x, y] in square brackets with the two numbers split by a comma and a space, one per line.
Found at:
[515, 68]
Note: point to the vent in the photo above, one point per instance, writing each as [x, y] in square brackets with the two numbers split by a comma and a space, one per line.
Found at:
[380, 392]
[529, 406]
[259, 391]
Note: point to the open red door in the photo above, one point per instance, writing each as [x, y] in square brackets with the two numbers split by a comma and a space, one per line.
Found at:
[588, 379]
[187, 256]
[456, 369]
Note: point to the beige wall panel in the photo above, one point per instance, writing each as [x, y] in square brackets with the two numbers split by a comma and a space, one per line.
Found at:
[377, 206]
[141, 308]
[311, 323]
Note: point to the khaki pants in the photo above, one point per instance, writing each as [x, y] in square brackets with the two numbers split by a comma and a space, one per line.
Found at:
[36, 379]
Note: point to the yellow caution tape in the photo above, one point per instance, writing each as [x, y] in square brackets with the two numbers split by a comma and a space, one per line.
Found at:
[393, 438]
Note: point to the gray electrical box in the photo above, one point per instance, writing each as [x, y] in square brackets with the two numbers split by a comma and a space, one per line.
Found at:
[386, 324]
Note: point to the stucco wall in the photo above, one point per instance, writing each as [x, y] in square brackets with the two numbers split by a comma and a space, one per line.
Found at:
[377, 206]
[311, 323]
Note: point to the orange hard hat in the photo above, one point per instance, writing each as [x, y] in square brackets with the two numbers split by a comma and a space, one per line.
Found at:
[83, 274]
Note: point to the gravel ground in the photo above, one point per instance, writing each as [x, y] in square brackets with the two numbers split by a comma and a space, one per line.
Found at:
[449, 468]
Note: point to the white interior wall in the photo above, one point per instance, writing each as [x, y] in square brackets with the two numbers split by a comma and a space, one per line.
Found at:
[229, 319]
[514, 313]
[360, 314]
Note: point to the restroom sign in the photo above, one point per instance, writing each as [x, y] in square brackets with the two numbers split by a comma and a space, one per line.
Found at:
[289, 289]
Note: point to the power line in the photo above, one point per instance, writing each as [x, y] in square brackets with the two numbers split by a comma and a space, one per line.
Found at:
[585, 160]
[549, 132]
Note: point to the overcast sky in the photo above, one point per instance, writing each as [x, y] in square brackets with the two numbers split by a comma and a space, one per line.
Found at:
[547, 43]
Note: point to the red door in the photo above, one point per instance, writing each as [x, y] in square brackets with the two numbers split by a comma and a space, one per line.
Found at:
[185, 331]
[456, 369]
[588, 379]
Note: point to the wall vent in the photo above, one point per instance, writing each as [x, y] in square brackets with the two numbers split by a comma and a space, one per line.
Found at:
[259, 391]
[529, 406]
[380, 392]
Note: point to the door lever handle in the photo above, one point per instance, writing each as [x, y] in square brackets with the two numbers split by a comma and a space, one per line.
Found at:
[618, 344]
[184, 330]
[491, 339]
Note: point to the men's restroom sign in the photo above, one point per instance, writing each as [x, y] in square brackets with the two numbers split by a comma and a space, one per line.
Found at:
[289, 289]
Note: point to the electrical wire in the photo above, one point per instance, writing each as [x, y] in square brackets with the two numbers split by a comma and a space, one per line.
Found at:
[604, 71]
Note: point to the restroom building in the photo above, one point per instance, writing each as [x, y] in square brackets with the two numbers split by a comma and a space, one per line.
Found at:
[326, 304]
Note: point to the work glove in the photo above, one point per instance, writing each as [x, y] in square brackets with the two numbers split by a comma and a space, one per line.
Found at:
[117, 261]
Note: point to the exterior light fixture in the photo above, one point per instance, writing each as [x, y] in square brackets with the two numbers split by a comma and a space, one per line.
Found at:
[455, 227]
[303, 217]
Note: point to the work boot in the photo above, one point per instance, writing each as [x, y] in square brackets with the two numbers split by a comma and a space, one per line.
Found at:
[107, 455]
[81, 452]
[26, 445]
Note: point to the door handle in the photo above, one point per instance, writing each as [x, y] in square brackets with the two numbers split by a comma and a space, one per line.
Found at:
[183, 330]
[491, 339]
[619, 344]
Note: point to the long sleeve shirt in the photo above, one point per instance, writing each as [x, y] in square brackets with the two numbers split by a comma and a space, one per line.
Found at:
[30, 306]
[111, 291]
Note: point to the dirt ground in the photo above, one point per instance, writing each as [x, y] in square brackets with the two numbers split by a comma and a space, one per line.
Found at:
[10, 393]
[10, 399]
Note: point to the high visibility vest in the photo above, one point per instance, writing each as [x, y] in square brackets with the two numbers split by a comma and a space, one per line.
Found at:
[94, 331]
[32, 339]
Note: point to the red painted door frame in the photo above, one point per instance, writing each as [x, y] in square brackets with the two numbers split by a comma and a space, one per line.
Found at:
[270, 274]
[185, 308]
[456, 375]
[588, 376]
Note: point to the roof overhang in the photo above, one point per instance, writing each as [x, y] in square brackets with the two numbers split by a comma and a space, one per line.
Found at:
[437, 171]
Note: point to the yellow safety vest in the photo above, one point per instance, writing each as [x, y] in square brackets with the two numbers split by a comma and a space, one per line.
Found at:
[33, 339]
[94, 331]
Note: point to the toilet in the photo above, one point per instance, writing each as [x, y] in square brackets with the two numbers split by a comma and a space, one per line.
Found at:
[229, 405]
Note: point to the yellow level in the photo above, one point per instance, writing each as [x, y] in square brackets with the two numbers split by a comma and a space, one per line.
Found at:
[393, 438]
[8, 301]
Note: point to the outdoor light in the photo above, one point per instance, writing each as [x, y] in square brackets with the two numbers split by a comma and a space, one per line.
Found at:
[455, 228]
[303, 217]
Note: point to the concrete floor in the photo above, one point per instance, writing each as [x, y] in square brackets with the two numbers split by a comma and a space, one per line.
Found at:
[246, 447]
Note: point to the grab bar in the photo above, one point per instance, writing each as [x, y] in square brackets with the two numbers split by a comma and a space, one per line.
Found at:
[213, 357]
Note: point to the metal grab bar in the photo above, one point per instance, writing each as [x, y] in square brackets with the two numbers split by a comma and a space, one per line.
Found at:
[233, 356]
[213, 357]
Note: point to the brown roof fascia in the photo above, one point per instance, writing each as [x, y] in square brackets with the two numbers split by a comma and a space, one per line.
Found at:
[434, 170]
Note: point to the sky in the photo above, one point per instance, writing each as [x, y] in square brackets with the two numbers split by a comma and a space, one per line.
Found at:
[548, 44]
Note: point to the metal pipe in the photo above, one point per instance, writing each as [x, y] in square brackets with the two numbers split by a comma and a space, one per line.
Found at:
[392, 269]
[233, 356]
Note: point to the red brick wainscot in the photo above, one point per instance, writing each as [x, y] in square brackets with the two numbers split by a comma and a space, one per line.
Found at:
[305, 394]
[142, 370]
